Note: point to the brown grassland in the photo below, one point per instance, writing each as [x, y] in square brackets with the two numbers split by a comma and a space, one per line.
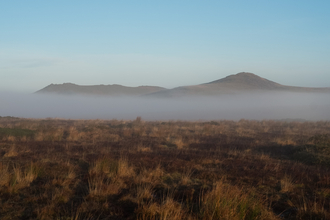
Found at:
[110, 169]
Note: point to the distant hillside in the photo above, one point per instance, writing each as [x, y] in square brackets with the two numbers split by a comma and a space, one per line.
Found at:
[109, 90]
[239, 83]
[247, 80]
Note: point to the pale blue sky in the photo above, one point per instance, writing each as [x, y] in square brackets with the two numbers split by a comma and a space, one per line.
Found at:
[164, 43]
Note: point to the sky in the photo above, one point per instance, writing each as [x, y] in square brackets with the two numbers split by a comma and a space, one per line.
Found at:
[162, 43]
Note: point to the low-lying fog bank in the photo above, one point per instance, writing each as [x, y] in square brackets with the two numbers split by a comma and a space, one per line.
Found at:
[307, 106]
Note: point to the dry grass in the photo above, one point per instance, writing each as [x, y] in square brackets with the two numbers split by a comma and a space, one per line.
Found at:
[12, 151]
[99, 169]
[4, 174]
[124, 169]
[22, 177]
[101, 186]
[151, 176]
[287, 184]
[228, 202]
[168, 209]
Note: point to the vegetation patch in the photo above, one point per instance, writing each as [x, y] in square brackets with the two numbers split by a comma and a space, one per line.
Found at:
[16, 132]
[95, 169]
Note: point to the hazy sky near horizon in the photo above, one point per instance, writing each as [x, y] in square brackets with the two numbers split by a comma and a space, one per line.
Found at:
[163, 43]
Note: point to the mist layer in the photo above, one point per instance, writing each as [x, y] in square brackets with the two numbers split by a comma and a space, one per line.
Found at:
[253, 106]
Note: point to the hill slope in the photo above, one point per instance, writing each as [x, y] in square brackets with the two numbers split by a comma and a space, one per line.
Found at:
[239, 83]
[247, 80]
[110, 90]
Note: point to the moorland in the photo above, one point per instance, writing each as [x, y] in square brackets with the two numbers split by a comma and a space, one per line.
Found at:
[116, 169]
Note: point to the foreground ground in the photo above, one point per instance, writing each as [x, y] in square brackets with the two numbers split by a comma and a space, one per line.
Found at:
[76, 169]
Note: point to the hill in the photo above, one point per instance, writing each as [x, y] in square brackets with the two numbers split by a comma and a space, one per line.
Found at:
[109, 90]
[247, 80]
[243, 82]
[239, 83]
